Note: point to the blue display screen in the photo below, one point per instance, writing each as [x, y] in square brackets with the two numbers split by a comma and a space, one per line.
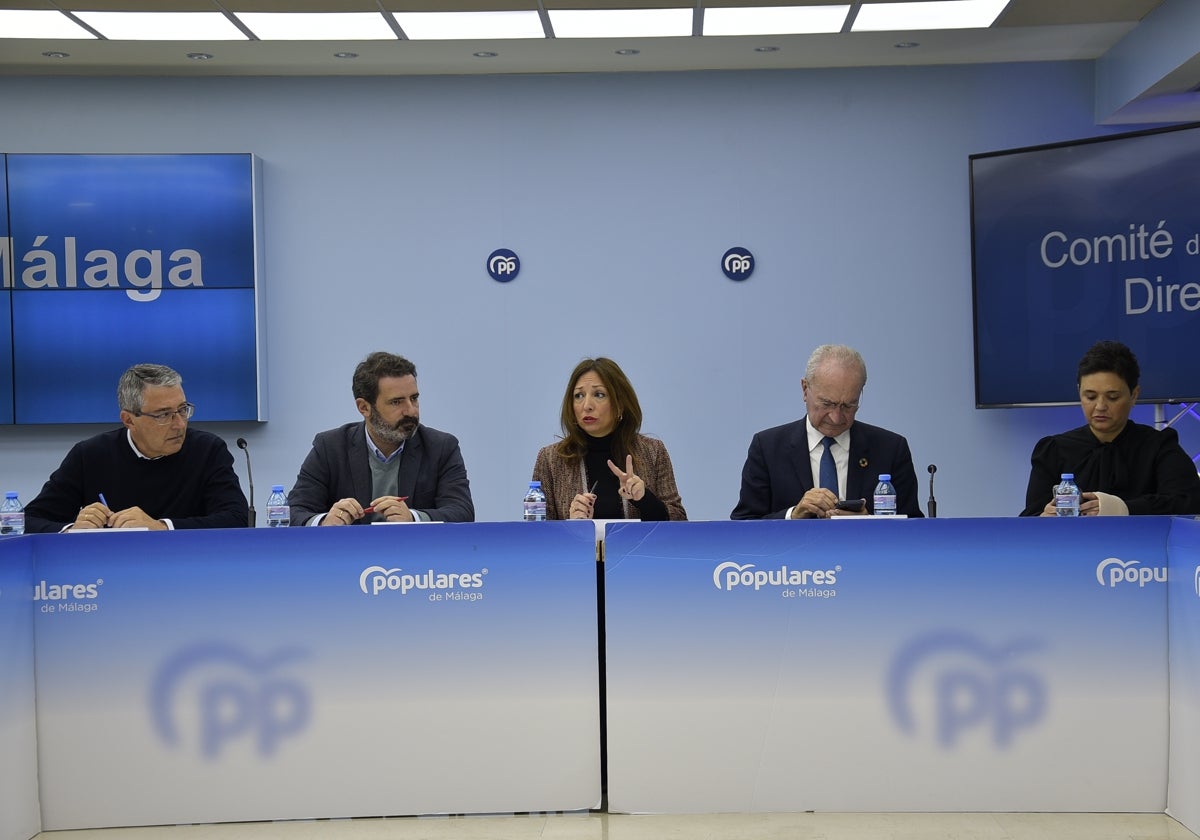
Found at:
[1082, 242]
[114, 260]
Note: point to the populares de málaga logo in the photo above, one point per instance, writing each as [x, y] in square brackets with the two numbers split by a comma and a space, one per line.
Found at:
[450, 586]
[1112, 572]
[67, 597]
[786, 581]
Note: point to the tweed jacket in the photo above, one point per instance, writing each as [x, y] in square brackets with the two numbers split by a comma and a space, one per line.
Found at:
[561, 481]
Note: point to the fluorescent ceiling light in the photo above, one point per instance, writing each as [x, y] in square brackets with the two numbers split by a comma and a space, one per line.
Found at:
[774, 20]
[29, 24]
[318, 26]
[461, 26]
[930, 14]
[163, 26]
[621, 23]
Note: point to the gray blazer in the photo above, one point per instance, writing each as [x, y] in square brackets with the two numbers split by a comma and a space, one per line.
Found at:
[432, 475]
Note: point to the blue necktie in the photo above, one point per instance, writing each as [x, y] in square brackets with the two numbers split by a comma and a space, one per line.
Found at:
[828, 469]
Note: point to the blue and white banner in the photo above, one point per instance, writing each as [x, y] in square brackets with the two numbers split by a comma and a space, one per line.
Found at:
[945, 665]
[1183, 793]
[20, 816]
[915, 665]
[317, 672]
[112, 260]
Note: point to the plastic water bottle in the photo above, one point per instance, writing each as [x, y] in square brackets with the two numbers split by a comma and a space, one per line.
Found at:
[12, 515]
[535, 503]
[279, 514]
[1066, 496]
[885, 496]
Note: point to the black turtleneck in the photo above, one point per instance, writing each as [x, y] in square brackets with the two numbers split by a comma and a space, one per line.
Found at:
[608, 502]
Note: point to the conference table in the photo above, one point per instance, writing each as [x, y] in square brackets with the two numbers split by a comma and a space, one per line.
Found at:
[901, 665]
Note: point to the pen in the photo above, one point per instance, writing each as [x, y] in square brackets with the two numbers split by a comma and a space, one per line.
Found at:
[103, 500]
[371, 508]
[594, 483]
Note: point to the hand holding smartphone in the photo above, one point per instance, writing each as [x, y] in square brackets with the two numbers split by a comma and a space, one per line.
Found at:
[855, 505]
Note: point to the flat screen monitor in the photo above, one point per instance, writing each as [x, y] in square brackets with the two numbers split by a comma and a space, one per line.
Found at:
[114, 260]
[1078, 242]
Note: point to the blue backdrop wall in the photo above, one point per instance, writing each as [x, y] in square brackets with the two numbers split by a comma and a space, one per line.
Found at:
[384, 196]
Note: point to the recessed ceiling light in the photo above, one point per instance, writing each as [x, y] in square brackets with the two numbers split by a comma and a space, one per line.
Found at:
[621, 23]
[627, 52]
[200, 56]
[56, 54]
[345, 55]
[485, 54]
[907, 45]
[775, 20]
[766, 49]
[928, 14]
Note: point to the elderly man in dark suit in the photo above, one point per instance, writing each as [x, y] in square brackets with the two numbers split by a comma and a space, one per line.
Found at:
[388, 468]
[800, 470]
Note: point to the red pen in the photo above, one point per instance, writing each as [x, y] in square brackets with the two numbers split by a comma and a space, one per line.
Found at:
[371, 508]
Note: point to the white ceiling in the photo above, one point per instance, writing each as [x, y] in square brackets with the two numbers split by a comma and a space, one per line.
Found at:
[1149, 68]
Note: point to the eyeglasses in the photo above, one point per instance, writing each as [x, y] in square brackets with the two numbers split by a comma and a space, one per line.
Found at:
[163, 418]
[846, 408]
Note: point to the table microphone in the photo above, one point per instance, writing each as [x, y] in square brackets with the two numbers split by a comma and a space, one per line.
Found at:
[932, 503]
[242, 445]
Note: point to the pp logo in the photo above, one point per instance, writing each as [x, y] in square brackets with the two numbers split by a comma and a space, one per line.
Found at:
[503, 265]
[728, 574]
[738, 263]
[966, 686]
[219, 695]
[1111, 571]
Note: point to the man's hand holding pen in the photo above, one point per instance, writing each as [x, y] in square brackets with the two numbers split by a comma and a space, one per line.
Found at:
[349, 511]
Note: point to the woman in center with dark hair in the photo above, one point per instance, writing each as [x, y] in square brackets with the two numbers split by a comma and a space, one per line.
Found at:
[604, 468]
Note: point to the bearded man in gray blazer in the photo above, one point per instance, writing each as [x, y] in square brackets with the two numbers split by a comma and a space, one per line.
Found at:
[388, 467]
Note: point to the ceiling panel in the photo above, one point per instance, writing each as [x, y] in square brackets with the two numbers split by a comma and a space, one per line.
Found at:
[1027, 30]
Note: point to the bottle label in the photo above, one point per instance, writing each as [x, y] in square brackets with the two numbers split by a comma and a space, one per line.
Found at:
[1066, 504]
[535, 511]
[12, 522]
[885, 504]
[279, 515]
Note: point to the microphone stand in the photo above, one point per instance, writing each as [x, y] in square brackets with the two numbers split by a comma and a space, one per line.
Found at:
[242, 445]
[932, 503]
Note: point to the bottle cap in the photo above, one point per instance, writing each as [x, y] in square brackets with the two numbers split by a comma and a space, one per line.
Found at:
[885, 477]
[535, 484]
[1068, 476]
[11, 494]
[277, 488]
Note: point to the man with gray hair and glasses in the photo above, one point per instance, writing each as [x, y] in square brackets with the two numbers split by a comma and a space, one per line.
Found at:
[152, 473]
[801, 470]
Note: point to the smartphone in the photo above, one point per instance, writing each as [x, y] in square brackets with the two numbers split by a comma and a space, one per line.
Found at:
[856, 505]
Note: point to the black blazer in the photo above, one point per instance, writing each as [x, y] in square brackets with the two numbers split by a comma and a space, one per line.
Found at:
[432, 475]
[778, 470]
